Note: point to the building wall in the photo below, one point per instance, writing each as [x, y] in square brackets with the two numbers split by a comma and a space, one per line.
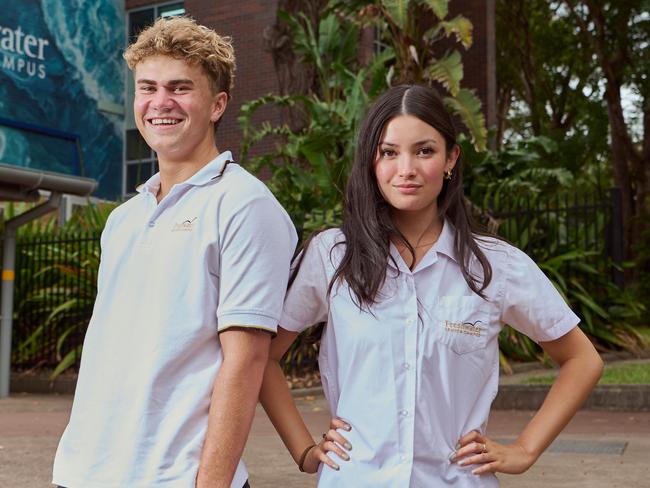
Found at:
[244, 21]
[131, 4]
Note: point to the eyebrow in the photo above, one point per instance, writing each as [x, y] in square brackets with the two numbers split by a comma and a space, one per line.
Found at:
[417, 143]
[169, 83]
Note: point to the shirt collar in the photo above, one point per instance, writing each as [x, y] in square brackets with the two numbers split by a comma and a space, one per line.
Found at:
[203, 176]
[445, 242]
[444, 245]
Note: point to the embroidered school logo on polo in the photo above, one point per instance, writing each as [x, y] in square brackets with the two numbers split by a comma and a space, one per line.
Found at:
[464, 328]
[185, 226]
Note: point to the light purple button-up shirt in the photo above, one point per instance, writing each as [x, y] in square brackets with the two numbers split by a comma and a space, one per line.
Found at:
[422, 368]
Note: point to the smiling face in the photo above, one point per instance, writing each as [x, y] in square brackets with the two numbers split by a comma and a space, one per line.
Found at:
[411, 160]
[175, 109]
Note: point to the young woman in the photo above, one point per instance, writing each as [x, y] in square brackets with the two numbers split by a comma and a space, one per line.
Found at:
[413, 298]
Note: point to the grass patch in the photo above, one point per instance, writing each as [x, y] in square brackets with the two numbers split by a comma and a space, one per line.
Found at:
[625, 374]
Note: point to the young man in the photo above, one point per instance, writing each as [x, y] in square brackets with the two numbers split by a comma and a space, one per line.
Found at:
[190, 290]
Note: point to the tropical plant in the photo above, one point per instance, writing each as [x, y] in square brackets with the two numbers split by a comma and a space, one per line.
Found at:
[519, 171]
[55, 285]
[57, 311]
[310, 161]
[309, 165]
[424, 45]
[86, 218]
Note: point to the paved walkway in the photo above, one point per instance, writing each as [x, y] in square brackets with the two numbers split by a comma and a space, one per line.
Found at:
[597, 450]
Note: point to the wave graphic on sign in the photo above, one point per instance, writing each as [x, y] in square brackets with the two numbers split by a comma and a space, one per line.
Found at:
[95, 23]
[83, 71]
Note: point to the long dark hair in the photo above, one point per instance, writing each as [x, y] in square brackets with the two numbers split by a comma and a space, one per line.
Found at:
[367, 225]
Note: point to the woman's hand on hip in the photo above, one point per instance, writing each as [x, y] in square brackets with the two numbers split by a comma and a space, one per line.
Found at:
[487, 456]
[332, 441]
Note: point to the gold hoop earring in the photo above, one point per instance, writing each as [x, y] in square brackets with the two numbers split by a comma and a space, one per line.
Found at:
[448, 174]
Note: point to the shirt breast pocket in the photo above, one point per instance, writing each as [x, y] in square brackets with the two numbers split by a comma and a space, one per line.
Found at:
[462, 323]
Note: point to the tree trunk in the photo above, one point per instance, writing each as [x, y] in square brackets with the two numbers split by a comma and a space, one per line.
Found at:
[294, 77]
[620, 165]
[503, 106]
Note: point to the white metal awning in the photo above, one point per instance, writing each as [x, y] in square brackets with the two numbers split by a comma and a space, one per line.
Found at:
[22, 184]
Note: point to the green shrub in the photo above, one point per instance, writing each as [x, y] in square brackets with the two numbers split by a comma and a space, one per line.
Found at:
[63, 261]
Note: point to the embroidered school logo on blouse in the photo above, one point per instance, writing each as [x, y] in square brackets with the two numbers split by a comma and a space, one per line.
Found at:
[185, 226]
[464, 328]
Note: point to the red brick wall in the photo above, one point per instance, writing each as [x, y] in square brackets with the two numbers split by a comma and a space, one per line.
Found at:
[244, 21]
[131, 4]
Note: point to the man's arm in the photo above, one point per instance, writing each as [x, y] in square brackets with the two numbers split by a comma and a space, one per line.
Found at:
[234, 397]
[256, 242]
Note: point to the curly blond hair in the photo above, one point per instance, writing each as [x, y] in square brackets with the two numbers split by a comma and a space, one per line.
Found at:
[182, 38]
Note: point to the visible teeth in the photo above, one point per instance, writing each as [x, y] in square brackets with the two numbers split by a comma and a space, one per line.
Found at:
[164, 121]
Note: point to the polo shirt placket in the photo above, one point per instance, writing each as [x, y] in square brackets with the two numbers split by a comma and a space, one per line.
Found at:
[159, 211]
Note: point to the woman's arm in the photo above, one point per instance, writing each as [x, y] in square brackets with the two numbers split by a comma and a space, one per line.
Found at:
[580, 369]
[279, 405]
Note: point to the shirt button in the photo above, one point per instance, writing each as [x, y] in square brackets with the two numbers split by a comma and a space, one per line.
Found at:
[407, 366]
[410, 321]
[404, 413]
[403, 457]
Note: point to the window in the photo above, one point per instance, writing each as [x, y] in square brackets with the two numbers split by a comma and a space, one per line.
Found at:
[139, 160]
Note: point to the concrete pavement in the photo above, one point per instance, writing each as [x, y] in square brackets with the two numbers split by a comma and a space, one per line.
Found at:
[597, 450]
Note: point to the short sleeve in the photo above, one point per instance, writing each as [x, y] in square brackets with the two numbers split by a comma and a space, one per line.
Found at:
[257, 241]
[306, 300]
[531, 303]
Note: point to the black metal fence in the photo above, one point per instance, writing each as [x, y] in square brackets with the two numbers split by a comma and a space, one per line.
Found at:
[545, 228]
[54, 293]
[56, 276]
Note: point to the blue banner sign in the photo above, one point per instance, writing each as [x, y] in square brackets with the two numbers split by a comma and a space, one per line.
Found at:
[62, 88]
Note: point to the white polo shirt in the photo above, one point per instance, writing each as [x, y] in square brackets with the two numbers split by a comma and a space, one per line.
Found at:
[214, 253]
[422, 369]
